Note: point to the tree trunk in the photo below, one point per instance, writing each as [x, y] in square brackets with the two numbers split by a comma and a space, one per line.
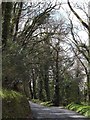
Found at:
[77, 82]
[17, 20]
[88, 87]
[40, 89]
[6, 22]
[88, 76]
[34, 84]
[46, 84]
[56, 95]
[30, 87]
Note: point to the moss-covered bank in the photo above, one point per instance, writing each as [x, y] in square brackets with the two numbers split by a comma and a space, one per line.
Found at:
[14, 105]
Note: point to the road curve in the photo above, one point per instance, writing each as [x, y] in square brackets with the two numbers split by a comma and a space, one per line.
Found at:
[53, 113]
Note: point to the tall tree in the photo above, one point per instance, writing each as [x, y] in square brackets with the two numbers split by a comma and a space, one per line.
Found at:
[87, 48]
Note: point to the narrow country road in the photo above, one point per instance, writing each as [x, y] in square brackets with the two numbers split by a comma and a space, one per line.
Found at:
[53, 113]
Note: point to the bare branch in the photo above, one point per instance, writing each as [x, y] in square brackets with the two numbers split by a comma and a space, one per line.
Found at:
[76, 43]
[78, 17]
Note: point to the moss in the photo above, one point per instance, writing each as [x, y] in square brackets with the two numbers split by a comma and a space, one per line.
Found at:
[14, 105]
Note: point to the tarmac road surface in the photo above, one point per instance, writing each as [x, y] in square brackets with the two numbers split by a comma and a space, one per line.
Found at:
[54, 113]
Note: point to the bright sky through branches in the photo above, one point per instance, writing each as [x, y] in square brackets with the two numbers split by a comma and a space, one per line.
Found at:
[65, 9]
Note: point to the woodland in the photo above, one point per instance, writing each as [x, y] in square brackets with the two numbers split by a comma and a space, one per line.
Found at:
[46, 52]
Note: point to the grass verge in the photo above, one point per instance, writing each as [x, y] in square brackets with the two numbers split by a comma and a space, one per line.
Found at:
[82, 109]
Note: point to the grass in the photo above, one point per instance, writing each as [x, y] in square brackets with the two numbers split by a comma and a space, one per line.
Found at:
[82, 109]
[14, 105]
[48, 103]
